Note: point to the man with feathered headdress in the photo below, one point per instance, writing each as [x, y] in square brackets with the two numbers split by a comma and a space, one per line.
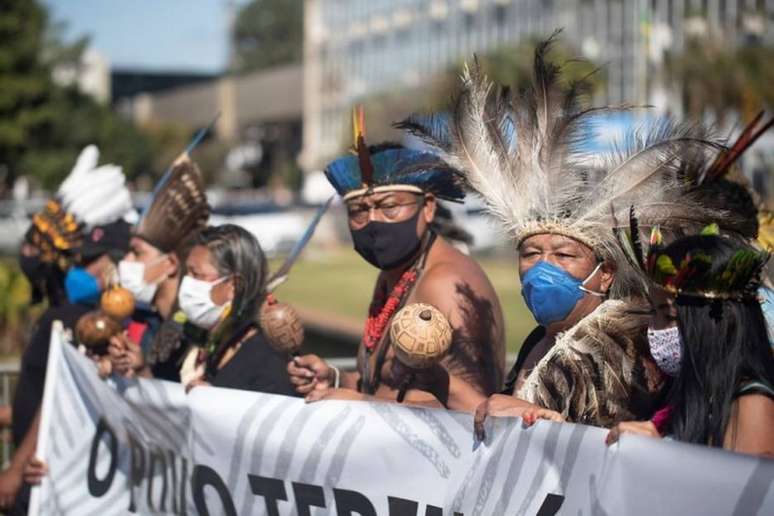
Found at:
[71, 248]
[391, 195]
[588, 359]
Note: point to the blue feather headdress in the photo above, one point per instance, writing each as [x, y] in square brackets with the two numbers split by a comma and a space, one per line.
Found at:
[392, 168]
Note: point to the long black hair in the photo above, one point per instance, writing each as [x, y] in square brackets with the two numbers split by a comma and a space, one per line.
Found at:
[235, 253]
[724, 344]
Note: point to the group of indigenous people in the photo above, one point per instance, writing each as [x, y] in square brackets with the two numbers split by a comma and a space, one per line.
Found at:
[641, 266]
[195, 295]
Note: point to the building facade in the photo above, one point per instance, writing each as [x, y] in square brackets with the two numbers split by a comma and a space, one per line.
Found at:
[355, 49]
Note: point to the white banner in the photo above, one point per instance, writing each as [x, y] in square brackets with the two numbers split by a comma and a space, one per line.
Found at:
[145, 447]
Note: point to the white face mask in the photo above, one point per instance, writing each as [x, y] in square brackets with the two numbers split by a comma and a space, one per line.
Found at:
[132, 277]
[196, 302]
[666, 347]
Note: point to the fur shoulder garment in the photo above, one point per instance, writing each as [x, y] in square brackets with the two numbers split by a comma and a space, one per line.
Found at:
[600, 371]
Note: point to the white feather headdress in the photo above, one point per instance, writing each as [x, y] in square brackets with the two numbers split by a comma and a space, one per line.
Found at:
[523, 155]
[96, 195]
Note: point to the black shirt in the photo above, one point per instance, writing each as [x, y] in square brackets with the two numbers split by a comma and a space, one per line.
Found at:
[32, 374]
[168, 351]
[162, 345]
[256, 366]
[529, 344]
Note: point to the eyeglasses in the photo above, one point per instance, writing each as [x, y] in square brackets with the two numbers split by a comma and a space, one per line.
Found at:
[389, 211]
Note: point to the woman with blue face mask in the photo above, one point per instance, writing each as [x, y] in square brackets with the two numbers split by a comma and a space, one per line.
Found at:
[538, 161]
[542, 161]
[708, 334]
[562, 281]
[581, 334]
[72, 243]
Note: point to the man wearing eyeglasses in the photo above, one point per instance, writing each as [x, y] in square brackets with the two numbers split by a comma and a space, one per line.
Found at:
[391, 196]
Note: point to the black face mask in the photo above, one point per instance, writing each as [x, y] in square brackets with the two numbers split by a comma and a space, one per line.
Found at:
[387, 245]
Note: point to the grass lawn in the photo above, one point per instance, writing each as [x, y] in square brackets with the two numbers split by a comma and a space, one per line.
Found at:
[340, 283]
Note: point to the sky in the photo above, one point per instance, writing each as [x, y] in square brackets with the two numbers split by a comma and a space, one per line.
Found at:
[190, 35]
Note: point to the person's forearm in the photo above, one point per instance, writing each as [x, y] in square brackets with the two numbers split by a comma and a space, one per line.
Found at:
[419, 398]
[413, 397]
[462, 395]
[26, 449]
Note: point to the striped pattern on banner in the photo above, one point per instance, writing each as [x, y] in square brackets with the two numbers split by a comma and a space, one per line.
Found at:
[145, 447]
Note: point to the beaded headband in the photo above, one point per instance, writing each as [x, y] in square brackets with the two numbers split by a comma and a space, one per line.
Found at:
[697, 274]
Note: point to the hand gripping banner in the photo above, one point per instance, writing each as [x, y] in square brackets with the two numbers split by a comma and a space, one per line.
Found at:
[145, 447]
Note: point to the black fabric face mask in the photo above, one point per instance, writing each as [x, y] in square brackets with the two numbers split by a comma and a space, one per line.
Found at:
[387, 245]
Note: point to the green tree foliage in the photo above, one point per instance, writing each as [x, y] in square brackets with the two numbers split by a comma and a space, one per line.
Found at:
[43, 125]
[723, 80]
[16, 315]
[268, 33]
[23, 81]
[73, 121]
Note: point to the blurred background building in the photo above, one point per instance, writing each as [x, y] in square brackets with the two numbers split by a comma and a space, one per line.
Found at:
[291, 71]
[289, 84]
[355, 50]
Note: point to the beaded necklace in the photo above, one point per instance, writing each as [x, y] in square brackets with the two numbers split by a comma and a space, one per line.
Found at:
[380, 313]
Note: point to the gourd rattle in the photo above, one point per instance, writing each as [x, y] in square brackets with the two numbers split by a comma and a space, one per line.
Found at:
[421, 336]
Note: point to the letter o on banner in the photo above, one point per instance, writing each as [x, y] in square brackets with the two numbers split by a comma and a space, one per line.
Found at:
[205, 476]
[98, 487]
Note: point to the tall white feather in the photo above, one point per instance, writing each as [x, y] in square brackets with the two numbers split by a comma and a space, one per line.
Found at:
[521, 154]
[86, 161]
[95, 195]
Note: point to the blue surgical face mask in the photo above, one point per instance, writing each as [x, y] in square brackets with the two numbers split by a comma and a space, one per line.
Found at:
[81, 286]
[551, 292]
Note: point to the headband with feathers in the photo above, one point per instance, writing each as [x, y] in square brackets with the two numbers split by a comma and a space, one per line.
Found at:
[391, 168]
[524, 155]
[711, 186]
[96, 196]
[178, 209]
[694, 274]
[90, 196]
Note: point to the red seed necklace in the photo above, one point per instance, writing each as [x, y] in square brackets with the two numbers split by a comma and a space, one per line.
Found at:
[381, 311]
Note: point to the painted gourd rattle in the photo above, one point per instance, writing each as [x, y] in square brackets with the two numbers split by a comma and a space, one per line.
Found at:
[421, 336]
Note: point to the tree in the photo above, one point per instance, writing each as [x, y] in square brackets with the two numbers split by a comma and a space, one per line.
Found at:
[43, 125]
[268, 33]
[24, 83]
[723, 80]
